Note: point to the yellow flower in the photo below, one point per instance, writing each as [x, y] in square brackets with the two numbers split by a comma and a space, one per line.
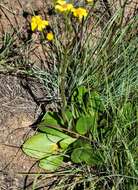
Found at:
[80, 12]
[54, 148]
[61, 2]
[50, 36]
[89, 1]
[62, 6]
[38, 24]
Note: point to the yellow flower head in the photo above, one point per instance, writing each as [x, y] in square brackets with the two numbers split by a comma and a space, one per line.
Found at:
[62, 6]
[61, 2]
[89, 1]
[50, 36]
[80, 12]
[38, 24]
[54, 148]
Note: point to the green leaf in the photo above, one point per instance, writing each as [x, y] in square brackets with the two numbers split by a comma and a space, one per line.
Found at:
[51, 163]
[84, 124]
[78, 94]
[76, 155]
[68, 114]
[77, 101]
[50, 119]
[50, 124]
[66, 142]
[86, 155]
[69, 117]
[81, 152]
[81, 91]
[41, 145]
[82, 155]
[81, 143]
[94, 102]
[53, 131]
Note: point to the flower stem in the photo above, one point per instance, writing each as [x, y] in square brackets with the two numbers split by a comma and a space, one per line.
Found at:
[62, 86]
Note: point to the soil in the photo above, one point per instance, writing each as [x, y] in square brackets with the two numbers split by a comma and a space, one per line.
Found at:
[17, 112]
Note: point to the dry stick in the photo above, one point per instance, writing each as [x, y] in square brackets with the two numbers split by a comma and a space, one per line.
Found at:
[12, 12]
[11, 160]
[11, 145]
[71, 132]
[27, 175]
[49, 175]
[19, 2]
[2, 28]
[14, 131]
[7, 17]
[7, 9]
[15, 18]
[44, 53]
[123, 11]
[107, 7]
[62, 87]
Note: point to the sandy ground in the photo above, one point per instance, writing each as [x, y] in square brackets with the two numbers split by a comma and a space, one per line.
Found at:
[17, 112]
[17, 108]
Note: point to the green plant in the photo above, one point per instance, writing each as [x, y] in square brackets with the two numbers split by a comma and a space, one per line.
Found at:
[81, 119]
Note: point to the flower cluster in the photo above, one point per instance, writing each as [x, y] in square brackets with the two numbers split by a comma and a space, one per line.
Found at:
[50, 36]
[89, 1]
[80, 13]
[64, 7]
[37, 23]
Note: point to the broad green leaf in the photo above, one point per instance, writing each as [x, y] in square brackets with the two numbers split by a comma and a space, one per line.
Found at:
[51, 163]
[66, 142]
[85, 155]
[53, 131]
[49, 123]
[84, 124]
[81, 143]
[76, 156]
[81, 155]
[41, 145]
[50, 119]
